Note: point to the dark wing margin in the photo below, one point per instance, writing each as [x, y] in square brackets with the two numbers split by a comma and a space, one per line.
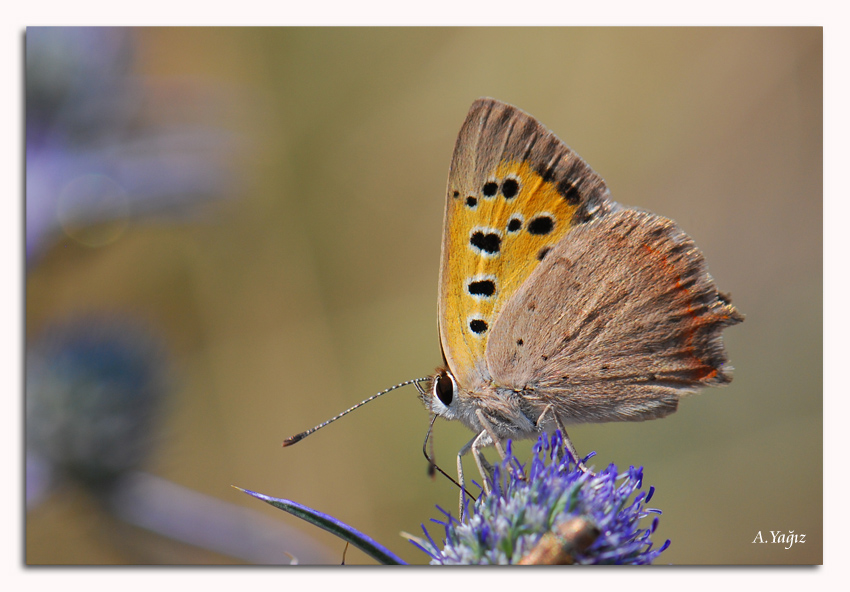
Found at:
[513, 134]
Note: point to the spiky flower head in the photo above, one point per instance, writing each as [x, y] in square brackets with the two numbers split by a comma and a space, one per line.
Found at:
[94, 395]
[555, 512]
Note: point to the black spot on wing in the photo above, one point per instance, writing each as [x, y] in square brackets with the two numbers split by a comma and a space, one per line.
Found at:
[541, 225]
[486, 242]
[482, 288]
[510, 188]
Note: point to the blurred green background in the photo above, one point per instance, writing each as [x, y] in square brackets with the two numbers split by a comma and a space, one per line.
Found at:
[307, 279]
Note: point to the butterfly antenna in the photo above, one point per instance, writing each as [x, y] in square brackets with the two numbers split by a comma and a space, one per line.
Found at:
[298, 437]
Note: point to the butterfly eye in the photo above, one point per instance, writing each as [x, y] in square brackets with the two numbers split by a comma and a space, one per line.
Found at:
[444, 388]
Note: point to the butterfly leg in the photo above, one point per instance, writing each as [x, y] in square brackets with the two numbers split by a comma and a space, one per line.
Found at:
[474, 445]
[499, 448]
[494, 440]
[568, 444]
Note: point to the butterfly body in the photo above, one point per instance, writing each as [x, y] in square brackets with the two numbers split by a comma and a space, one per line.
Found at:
[553, 297]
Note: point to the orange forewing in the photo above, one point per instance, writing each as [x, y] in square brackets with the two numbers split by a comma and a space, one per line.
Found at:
[519, 252]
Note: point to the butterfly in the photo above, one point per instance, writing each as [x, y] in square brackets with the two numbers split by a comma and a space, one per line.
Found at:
[557, 305]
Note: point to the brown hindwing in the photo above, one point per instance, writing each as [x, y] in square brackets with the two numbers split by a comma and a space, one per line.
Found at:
[620, 319]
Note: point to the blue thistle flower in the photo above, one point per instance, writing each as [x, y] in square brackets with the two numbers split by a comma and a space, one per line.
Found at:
[553, 513]
[95, 389]
[100, 151]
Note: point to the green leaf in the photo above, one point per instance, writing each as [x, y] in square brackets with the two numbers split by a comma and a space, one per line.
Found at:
[332, 525]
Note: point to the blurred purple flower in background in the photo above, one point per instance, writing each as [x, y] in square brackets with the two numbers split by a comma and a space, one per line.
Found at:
[100, 150]
[95, 393]
[106, 148]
